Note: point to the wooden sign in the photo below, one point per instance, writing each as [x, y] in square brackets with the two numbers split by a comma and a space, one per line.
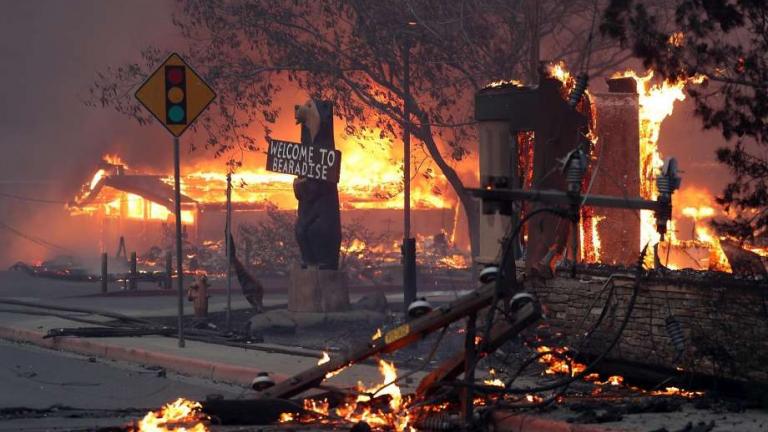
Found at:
[304, 160]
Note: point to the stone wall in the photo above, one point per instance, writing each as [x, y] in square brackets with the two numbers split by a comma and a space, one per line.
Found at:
[724, 320]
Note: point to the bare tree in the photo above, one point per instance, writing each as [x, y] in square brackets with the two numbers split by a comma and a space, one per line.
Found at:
[352, 51]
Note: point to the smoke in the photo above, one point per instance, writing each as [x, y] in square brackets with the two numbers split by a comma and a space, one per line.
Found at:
[50, 141]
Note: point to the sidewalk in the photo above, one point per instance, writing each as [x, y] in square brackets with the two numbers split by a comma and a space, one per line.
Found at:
[206, 360]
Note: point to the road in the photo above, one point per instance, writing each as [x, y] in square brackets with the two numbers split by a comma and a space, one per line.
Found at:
[49, 383]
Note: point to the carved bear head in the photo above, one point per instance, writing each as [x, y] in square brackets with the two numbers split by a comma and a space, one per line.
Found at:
[316, 118]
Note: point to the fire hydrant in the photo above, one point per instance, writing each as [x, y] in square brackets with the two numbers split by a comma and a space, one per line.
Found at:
[198, 294]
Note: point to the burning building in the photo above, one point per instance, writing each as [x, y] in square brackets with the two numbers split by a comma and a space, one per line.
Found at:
[679, 319]
[624, 125]
[137, 204]
[623, 161]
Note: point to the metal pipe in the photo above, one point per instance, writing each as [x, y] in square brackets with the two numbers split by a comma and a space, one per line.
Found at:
[104, 273]
[558, 197]
[467, 396]
[132, 281]
[168, 270]
[179, 256]
[406, 141]
[227, 237]
[113, 315]
[409, 247]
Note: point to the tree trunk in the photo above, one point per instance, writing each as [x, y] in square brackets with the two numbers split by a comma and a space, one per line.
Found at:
[470, 204]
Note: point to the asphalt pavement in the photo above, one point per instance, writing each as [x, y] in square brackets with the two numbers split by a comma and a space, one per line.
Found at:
[52, 390]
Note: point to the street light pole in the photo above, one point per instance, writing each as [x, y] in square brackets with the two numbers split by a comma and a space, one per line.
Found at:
[409, 243]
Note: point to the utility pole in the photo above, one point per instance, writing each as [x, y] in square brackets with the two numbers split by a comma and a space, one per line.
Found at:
[409, 243]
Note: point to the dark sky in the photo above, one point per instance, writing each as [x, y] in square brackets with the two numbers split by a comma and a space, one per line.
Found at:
[51, 50]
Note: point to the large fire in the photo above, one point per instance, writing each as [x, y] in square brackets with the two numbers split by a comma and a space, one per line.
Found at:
[391, 414]
[656, 103]
[589, 236]
[558, 361]
[372, 178]
[180, 415]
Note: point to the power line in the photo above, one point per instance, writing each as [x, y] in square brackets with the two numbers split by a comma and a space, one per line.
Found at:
[36, 240]
[30, 199]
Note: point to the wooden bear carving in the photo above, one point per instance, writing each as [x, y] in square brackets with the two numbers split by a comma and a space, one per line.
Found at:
[318, 226]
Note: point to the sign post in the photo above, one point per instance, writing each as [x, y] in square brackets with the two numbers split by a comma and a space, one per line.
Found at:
[179, 252]
[176, 95]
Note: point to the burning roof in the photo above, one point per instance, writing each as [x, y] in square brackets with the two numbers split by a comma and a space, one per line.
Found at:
[112, 192]
[150, 187]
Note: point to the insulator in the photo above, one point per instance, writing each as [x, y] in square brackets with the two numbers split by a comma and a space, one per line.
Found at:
[488, 274]
[675, 332]
[521, 299]
[668, 181]
[578, 89]
[574, 173]
[662, 183]
[419, 307]
[437, 423]
[262, 382]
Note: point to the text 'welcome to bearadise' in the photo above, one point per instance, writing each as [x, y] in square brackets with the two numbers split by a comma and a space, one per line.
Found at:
[303, 160]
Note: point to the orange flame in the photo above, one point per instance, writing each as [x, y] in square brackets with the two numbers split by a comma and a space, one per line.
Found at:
[675, 391]
[181, 415]
[656, 104]
[372, 178]
[556, 364]
[396, 417]
[493, 380]
[590, 244]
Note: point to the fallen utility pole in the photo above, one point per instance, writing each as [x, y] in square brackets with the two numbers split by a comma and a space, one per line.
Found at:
[501, 332]
[393, 340]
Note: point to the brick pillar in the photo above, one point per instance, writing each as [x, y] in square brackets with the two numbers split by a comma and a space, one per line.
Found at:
[618, 131]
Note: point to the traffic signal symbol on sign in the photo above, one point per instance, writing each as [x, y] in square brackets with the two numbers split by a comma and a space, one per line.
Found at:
[175, 95]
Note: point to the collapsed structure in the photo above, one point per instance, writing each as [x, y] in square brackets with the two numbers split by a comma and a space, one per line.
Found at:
[119, 202]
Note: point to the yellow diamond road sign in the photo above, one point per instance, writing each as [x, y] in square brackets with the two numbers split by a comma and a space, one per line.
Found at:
[175, 94]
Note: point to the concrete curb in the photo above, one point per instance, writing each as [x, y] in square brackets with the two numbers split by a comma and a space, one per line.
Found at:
[184, 365]
[514, 422]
